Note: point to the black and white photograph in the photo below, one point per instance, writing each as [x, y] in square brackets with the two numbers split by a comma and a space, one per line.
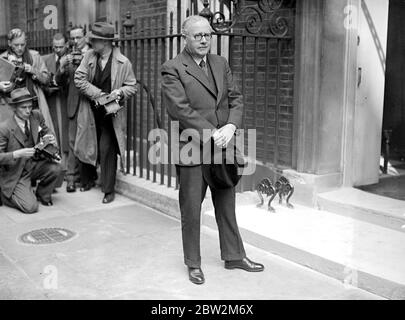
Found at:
[216, 154]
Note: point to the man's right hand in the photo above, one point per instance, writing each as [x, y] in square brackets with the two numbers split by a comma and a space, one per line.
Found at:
[65, 61]
[5, 86]
[24, 153]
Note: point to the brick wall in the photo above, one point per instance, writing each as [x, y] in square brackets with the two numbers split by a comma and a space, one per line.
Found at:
[143, 8]
[17, 11]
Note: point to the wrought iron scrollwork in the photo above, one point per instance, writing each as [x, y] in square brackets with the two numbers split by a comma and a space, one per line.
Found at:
[263, 17]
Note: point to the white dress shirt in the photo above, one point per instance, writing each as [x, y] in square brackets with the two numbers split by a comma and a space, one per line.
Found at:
[21, 124]
[104, 59]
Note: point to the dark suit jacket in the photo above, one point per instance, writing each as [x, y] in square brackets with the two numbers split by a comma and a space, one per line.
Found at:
[54, 97]
[67, 80]
[12, 139]
[189, 98]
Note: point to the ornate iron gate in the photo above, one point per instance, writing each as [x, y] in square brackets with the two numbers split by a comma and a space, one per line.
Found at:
[257, 39]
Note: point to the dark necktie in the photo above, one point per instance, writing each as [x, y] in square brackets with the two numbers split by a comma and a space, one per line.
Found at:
[203, 66]
[26, 129]
[57, 63]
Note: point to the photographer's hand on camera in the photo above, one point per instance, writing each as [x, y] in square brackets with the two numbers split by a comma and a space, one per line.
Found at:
[51, 139]
[5, 86]
[24, 153]
[117, 94]
[28, 68]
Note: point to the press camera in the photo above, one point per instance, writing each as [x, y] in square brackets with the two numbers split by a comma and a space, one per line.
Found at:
[109, 104]
[46, 150]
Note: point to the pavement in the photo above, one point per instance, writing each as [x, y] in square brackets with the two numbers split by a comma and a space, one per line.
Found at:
[125, 250]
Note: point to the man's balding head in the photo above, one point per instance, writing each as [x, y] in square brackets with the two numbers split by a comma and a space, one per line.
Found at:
[193, 20]
[196, 31]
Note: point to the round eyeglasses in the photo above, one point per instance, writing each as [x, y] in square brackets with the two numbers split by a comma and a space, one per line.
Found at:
[199, 36]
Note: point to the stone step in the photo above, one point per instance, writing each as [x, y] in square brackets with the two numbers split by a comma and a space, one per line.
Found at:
[362, 254]
[359, 253]
[365, 206]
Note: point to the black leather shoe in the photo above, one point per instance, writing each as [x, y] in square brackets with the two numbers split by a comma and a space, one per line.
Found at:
[87, 186]
[244, 264]
[109, 197]
[70, 187]
[196, 275]
[46, 203]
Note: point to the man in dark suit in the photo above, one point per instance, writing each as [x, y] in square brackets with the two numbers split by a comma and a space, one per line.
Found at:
[199, 93]
[57, 95]
[18, 136]
[65, 77]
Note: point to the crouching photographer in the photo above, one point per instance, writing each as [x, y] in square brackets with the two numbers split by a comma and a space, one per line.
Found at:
[28, 153]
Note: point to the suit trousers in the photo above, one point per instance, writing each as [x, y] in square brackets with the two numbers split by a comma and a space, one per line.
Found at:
[73, 172]
[107, 151]
[192, 192]
[23, 197]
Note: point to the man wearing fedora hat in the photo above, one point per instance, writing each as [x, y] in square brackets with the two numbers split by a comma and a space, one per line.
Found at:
[100, 137]
[18, 136]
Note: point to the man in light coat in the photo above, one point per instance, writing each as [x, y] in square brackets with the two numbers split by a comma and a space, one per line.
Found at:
[100, 138]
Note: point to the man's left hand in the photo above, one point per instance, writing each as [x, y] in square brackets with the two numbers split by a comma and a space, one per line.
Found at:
[225, 135]
[117, 94]
[28, 68]
[52, 139]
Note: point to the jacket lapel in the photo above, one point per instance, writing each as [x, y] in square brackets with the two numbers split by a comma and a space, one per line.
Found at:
[34, 128]
[217, 72]
[53, 64]
[195, 71]
[116, 63]
[92, 67]
[114, 68]
[17, 132]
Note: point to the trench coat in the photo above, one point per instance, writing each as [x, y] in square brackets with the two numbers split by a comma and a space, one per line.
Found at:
[122, 77]
[42, 78]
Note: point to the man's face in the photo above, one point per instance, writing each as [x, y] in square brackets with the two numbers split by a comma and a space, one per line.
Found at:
[23, 110]
[59, 47]
[18, 45]
[98, 45]
[198, 48]
[77, 38]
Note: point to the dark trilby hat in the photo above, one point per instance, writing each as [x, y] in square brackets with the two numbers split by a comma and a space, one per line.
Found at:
[20, 95]
[102, 30]
[224, 175]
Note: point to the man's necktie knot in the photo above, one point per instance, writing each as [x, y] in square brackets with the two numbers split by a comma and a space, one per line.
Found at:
[203, 66]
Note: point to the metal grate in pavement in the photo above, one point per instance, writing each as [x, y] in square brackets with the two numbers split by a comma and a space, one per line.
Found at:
[47, 236]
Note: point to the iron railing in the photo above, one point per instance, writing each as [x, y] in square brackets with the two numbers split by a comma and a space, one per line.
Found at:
[260, 52]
